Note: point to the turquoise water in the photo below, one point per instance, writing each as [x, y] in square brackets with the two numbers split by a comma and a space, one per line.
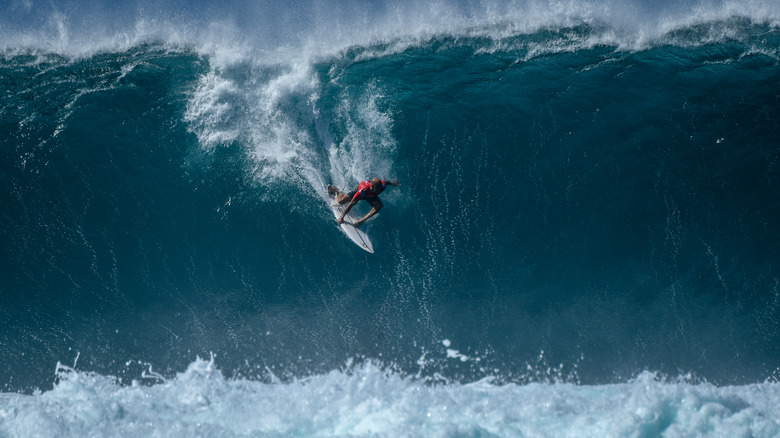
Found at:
[585, 240]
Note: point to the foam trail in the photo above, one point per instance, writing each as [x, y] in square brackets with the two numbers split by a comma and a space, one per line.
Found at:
[366, 148]
[273, 111]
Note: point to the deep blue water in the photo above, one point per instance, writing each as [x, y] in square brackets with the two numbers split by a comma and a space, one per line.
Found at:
[575, 207]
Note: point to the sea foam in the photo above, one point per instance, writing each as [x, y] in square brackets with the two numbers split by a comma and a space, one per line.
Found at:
[368, 400]
[306, 29]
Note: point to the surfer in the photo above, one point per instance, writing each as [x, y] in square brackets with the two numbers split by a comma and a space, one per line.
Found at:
[368, 191]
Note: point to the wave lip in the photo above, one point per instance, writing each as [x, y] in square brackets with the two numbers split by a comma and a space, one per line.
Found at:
[363, 400]
[325, 28]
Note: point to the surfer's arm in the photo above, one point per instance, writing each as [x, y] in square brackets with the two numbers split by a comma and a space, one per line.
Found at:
[367, 217]
[346, 210]
[377, 206]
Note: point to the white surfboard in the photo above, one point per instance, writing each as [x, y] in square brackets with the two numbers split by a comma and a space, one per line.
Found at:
[355, 234]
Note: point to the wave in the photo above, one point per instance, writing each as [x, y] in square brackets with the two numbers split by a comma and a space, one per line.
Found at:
[366, 400]
[286, 107]
[314, 28]
[574, 183]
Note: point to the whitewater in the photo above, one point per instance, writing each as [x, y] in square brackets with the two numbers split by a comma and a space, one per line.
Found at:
[367, 401]
[585, 242]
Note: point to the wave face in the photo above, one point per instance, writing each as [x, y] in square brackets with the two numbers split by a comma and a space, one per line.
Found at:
[580, 205]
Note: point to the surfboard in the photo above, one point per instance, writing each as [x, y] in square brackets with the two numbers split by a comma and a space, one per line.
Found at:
[355, 234]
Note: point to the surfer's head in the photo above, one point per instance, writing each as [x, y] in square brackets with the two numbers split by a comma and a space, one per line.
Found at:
[376, 183]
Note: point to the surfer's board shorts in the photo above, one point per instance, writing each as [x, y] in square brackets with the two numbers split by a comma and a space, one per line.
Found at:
[370, 199]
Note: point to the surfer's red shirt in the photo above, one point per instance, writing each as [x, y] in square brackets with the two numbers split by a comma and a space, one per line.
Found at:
[364, 190]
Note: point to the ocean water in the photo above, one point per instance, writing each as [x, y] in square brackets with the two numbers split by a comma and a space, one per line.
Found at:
[585, 241]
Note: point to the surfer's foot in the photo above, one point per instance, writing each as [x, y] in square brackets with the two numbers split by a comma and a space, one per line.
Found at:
[332, 190]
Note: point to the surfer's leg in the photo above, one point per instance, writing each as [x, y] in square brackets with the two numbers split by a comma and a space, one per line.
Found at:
[343, 199]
